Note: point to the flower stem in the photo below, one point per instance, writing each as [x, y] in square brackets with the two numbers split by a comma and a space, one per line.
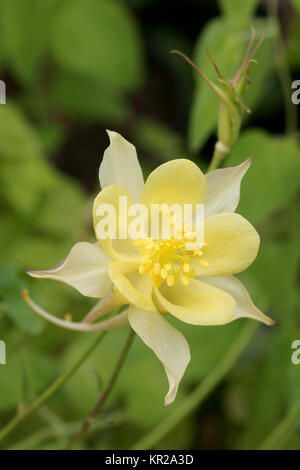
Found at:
[282, 432]
[50, 390]
[49, 435]
[216, 160]
[201, 392]
[104, 395]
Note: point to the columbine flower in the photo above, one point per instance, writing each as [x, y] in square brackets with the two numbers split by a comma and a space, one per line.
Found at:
[155, 277]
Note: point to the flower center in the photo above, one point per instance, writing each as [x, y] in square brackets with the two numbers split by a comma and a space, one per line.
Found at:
[170, 260]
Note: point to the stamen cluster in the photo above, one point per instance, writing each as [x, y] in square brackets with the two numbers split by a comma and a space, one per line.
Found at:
[170, 260]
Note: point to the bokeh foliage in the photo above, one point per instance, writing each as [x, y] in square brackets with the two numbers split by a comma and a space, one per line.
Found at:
[73, 68]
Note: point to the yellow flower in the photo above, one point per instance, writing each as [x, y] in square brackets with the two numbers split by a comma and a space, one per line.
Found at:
[155, 277]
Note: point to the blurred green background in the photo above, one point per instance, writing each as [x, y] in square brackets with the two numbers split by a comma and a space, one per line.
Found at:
[73, 68]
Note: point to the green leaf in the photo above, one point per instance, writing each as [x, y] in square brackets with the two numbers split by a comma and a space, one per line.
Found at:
[293, 50]
[10, 234]
[158, 140]
[273, 180]
[296, 4]
[61, 210]
[42, 373]
[24, 174]
[34, 251]
[268, 383]
[87, 98]
[29, 184]
[97, 39]
[14, 306]
[227, 48]
[238, 13]
[274, 276]
[10, 382]
[8, 278]
[17, 138]
[23, 34]
[207, 344]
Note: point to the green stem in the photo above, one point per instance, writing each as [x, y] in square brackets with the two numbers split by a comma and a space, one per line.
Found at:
[216, 160]
[47, 433]
[50, 390]
[281, 433]
[201, 392]
[103, 397]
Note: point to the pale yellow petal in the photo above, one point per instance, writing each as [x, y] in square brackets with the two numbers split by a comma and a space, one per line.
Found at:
[245, 306]
[85, 269]
[232, 245]
[120, 165]
[175, 182]
[166, 342]
[136, 288]
[223, 188]
[197, 303]
[116, 248]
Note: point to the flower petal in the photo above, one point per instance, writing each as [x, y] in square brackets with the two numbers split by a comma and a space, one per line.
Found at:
[120, 165]
[117, 248]
[223, 188]
[232, 245]
[168, 344]
[245, 307]
[136, 288]
[198, 303]
[85, 269]
[178, 181]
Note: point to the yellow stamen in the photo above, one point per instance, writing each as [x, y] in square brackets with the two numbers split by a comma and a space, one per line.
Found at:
[149, 246]
[68, 316]
[169, 260]
[170, 280]
[185, 280]
[203, 263]
[157, 268]
[186, 267]
[163, 273]
[198, 252]
[25, 294]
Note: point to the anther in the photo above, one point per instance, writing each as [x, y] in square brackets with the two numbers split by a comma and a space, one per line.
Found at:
[163, 273]
[186, 267]
[170, 280]
[198, 252]
[157, 267]
[185, 280]
[203, 263]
